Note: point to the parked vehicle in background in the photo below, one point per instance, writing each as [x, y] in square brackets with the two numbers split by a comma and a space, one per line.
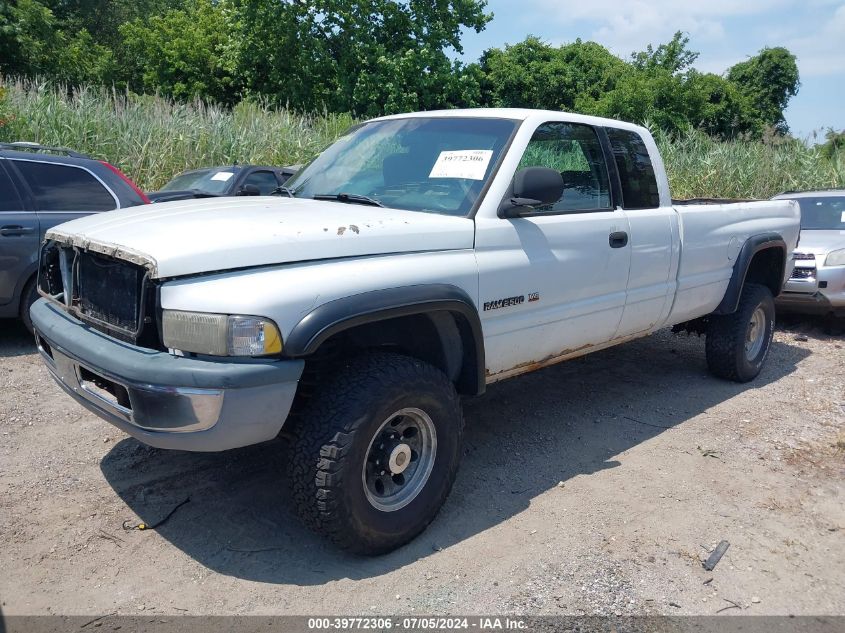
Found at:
[230, 180]
[419, 258]
[817, 282]
[39, 188]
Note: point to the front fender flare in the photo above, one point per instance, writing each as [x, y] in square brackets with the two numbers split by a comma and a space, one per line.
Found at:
[345, 313]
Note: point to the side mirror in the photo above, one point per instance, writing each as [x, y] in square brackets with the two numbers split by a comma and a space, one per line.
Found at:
[249, 190]
[532, 187]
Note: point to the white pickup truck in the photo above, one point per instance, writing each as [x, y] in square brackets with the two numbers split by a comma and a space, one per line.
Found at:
[418, 259]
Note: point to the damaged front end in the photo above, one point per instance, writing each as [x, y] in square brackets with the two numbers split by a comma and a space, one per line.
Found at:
[111, 295]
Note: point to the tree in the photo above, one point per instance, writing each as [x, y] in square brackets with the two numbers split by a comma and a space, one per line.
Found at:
[718, 107]
[364, 56]
[33, 41]
[102, 18]
[674, 56]
[834, 144]
[180, 53]
[658, 85]
[769, 80]
[533, 74]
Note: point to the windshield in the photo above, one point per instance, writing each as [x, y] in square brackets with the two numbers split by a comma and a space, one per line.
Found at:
[823, 213]
[204, 180]
[436, 165]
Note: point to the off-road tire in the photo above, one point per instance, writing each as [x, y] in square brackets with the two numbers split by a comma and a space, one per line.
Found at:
[28, 297]
[332, 437]
[726, 336]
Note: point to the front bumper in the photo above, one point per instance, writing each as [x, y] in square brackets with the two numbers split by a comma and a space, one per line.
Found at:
[163, 400]
[820, 290]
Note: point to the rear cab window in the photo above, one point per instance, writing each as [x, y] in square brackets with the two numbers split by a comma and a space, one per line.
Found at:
[57, 187]
[636, 172]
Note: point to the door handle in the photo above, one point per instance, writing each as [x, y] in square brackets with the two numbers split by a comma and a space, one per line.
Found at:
[618, 239]
[11, 230]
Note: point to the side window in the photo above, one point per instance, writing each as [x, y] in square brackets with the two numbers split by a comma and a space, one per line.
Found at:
[64, 188]
[574, 150]
[639, 185]
[9, 200]
[265, 181]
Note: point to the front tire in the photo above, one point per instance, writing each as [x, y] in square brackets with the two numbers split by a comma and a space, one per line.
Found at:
[376, 452]
[738, 344]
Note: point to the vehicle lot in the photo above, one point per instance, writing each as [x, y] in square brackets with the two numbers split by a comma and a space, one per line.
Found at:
[595, 486]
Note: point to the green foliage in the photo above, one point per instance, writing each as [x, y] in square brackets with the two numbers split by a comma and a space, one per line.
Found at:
[833, 148]
[368, 57]
[658, 85]
[104, 17]
[178, 53]
[674, 57]
[365, 56]
[34, 42]
[700, 166]
[152, 138]
[533, 74]
[373, 57]
[769, 80]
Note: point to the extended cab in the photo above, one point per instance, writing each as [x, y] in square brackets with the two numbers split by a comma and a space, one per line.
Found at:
[418, 259]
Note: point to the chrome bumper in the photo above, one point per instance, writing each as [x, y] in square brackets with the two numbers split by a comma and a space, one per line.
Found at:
[818, 290]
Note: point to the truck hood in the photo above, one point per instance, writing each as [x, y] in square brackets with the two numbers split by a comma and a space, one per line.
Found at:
[186, 237]
[820, 242]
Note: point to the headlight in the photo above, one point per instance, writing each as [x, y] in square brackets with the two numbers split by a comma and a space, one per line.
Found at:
[836, 258]
[220, 334]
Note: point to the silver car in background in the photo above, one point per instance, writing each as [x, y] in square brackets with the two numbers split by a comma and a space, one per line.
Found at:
[817, 283]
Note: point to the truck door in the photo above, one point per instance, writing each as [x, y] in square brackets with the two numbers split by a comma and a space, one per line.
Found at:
[654, 236]
[553, 282]
[18, 239]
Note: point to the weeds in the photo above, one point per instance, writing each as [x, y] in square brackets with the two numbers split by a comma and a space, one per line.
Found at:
[152, 138]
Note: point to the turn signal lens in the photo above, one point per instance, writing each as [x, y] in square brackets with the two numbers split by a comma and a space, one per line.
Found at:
[251, 336]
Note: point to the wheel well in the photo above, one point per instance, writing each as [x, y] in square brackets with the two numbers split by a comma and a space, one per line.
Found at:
[31, 278]
[766, 268]
[442, 338]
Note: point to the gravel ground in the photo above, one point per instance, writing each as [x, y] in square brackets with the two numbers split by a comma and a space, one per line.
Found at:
[596, 486]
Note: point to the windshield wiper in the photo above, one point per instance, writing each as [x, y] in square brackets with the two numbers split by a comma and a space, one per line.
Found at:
[353, 198]
[285, 190]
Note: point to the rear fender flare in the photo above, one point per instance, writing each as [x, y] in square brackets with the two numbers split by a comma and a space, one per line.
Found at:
[752, 246]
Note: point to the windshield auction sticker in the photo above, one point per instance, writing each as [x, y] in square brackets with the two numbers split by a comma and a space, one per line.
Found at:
[465, 163]
[222, 175]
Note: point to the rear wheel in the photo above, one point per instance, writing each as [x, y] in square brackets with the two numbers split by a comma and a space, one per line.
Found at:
[376, 452]
[737, 344]
[28, 297]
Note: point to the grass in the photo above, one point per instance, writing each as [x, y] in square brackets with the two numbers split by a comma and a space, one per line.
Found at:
[699, 166]
[152, 138]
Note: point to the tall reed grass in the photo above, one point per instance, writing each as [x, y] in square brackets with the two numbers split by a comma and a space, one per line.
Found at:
[152, 138]
[700, 166]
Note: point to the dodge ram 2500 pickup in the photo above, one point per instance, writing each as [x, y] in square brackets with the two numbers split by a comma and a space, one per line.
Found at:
[418, 259]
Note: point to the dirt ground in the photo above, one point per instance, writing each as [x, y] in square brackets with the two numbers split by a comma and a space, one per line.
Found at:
[593, 487]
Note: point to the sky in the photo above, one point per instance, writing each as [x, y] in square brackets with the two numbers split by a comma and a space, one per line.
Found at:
[724, 32]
